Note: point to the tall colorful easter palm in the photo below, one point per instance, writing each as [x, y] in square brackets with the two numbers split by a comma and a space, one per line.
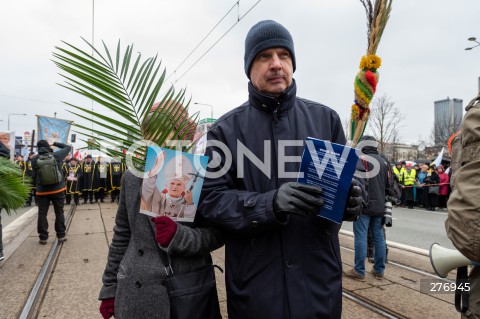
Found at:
[367, 78]
[128, 87]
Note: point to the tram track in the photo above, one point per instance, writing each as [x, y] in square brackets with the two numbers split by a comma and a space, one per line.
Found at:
[37, 294]
[378, 308]
[373, 307]
[36, 298]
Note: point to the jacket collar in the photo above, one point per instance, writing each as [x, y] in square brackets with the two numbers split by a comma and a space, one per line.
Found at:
[268, 103]
[44, 150]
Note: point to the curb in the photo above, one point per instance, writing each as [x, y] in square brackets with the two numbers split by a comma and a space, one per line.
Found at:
[420, 251]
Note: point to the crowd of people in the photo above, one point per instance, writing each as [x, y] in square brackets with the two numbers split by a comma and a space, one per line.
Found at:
[423, 185]
[268, 223]
[92, 180]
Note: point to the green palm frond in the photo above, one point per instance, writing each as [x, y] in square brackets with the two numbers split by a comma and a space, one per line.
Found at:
[14, 188]
[128, 87]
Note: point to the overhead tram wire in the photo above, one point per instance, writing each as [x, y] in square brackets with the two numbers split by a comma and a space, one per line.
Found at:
[28, 99]
[204, 38]
[239, 18]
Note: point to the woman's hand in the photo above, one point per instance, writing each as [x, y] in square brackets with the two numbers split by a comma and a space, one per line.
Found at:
[165, 229]
[107, 308]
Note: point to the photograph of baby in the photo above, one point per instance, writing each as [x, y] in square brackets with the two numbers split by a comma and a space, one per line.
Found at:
[172, 184]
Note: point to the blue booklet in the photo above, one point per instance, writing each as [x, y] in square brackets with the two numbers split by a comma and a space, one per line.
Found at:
[330, 166]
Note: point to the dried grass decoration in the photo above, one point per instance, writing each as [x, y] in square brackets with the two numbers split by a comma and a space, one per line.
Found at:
[367, 78]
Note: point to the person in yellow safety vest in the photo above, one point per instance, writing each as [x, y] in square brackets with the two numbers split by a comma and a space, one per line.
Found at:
[409, 176]
[398, 170]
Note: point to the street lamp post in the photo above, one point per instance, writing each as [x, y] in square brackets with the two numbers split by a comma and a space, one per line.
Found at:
[22, 114]
[469, 48]
[474, 40]
[211, 108]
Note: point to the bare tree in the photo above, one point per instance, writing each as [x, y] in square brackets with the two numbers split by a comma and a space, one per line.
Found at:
[384, 123]
[444, 128]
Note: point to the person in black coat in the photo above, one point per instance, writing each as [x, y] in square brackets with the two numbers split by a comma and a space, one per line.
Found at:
[377, 174]
[100, 179]
[87, 173]
[30, 172]
[281, 259]
[54, 193]
[72, 174]
[114, 179]
[432, 180]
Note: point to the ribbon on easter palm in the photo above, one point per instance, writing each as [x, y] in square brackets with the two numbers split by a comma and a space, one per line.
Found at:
[366, 79]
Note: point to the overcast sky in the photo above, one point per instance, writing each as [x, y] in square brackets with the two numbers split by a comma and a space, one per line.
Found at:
[422, 51]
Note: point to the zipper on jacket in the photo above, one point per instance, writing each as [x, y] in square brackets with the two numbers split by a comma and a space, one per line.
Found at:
[286, 299]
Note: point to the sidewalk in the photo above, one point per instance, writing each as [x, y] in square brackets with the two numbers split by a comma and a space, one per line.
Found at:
[74, 286]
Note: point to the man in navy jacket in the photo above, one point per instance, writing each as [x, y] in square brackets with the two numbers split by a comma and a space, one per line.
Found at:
[282, 260]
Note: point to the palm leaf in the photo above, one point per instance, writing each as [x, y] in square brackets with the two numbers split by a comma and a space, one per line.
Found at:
[14, 188]
[128, 87]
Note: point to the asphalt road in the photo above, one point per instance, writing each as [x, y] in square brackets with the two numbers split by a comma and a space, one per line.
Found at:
[416, 227]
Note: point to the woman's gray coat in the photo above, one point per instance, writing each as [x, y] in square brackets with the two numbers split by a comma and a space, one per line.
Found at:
[134, 272]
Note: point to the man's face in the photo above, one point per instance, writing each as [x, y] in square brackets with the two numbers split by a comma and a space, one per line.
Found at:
[272, 71]
[5, 138]
[175, 188]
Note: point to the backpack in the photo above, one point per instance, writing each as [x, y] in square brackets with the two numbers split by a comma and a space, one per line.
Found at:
[463, 221]
[48, 172]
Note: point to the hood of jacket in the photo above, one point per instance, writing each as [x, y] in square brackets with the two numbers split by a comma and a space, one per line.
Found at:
[44, 150]
[369, 150]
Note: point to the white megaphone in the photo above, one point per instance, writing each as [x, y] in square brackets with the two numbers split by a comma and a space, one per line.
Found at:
[444, 260]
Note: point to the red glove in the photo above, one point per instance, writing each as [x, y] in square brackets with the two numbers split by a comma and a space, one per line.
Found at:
[107, 308]
[165, 229]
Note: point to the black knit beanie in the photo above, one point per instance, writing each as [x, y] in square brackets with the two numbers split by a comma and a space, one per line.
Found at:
[43, 143]
[265, 35]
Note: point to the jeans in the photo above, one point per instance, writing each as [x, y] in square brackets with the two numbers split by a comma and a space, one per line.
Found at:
[360, 229]
[43, 205]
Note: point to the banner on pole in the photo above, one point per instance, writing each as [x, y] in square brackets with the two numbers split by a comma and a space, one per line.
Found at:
[52, 129]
